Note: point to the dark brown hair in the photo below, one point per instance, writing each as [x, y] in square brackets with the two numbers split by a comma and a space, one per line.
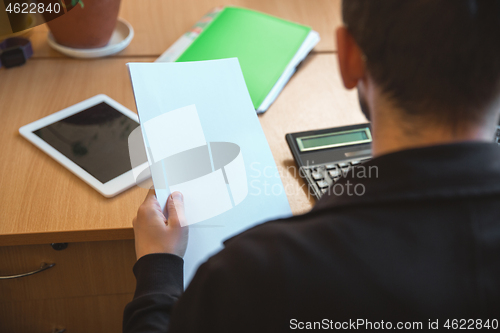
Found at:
[439, 57]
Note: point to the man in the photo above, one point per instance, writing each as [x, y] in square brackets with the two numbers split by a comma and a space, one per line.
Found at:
[422, 244]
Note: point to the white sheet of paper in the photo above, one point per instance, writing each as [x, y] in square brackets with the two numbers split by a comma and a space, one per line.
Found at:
[174, 132]
[190, 112]
[204, 197]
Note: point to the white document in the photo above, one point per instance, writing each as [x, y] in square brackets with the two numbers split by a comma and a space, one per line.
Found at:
[168, 135]
[203, 139]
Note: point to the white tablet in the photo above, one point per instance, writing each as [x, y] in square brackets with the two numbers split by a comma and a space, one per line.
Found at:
[91, 140]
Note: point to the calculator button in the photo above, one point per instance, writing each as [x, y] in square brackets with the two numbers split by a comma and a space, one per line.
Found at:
[344, 164]
[335, 179]
[331, 166]
[334, 173]
[355, 162]
[322, 184]
[317, 175]
[324, 190]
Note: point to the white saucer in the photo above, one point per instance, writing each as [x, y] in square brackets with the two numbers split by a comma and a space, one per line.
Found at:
[121, 38]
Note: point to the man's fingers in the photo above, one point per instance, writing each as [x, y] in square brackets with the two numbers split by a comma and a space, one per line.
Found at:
[151, 200]
[150, 205]
[175, 210]
[151, 194]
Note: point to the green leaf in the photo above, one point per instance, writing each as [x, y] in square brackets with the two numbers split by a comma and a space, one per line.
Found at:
[74, 2]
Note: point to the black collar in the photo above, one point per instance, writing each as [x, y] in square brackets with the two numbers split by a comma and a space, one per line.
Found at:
[444, 171]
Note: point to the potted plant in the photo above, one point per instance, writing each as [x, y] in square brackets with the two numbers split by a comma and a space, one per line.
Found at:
[89, 24]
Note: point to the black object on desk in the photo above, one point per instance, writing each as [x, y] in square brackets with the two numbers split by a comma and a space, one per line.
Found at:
[324, 155]
[15, 51]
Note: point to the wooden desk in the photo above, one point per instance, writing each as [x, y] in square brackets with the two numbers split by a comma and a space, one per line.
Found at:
[158, 24]
[42, 203]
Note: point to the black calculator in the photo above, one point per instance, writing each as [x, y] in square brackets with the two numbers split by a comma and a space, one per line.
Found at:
[324, 155]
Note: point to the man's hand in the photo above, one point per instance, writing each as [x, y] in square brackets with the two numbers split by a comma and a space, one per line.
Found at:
[154, 233]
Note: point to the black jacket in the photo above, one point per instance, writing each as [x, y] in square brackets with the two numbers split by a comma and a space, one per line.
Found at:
[421, 243]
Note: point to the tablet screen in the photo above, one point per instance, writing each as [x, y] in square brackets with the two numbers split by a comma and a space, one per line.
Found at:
[96, 139]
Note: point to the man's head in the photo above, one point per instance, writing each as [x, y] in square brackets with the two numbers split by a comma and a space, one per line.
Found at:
[435, 60]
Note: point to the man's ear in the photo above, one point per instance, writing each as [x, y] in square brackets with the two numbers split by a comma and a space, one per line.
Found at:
[351, 63]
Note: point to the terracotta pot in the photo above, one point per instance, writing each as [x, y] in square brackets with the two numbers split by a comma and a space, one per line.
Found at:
[88, 27]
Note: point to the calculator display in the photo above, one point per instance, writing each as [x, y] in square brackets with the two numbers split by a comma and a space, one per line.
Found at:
[331, 140]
